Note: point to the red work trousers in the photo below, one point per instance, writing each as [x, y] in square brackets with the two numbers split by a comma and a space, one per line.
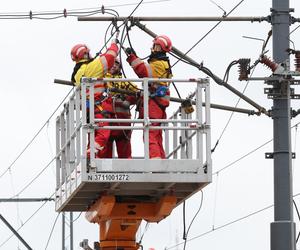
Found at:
[104, 140]
[156, 149]
[123, 144]
[101, 137]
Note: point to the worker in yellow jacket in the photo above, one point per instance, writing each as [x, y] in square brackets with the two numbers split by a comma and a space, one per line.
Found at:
[97, 67]
[158, 66]
[120, 108]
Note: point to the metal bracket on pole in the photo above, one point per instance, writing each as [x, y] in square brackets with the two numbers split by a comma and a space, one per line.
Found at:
[269, 155]
[281, 88]
[280, 93]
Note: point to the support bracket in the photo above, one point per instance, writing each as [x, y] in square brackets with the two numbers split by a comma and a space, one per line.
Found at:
[270, 155]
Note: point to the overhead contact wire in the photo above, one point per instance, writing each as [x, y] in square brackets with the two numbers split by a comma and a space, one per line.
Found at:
[26, 186]
[34, 137]
[203, 37]
[232, 113]
[28, 219]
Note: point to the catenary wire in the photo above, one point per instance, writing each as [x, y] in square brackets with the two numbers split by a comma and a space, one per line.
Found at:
[232, 113]
[51, 232]
[143, 234]
[203, 37]
[244, 217]
[26, 186]
[28, 219]
[226, 224]
[295, 29]
[184, 220]
[13, 191]
[215, 201]
[189, 227]
[222, 226]
[250, 152]
[50, 146]
[77, 217]
[34, 137]
[298, 214]
[242, 157]
[62, 14]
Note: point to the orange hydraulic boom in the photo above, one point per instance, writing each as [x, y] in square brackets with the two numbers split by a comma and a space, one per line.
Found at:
[119, 221]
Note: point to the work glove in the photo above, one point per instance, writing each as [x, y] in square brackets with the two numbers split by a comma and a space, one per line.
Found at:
[129, 51]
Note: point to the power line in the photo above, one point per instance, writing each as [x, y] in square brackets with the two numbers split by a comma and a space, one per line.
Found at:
[77, 217]
[34, 137]
[231, 115]
[227, 224]
[51, 232]
[50, 15]
[189, 227]
[242, 157]
[29, 218]
[222, 226]
[203, 37]
[26, 186]
[244, 217]
[250, 152]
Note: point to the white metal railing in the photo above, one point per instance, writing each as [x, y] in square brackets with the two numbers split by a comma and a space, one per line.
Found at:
[186, 136]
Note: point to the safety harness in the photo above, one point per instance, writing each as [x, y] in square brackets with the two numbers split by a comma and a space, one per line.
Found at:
[161, 90]
[98, 101]
[77, 67]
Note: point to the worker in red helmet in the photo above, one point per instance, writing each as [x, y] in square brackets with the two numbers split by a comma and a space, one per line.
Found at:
[97, 67]
[120, 104]
[158, 66]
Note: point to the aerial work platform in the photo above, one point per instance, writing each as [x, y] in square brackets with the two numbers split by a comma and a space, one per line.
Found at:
[187, 143]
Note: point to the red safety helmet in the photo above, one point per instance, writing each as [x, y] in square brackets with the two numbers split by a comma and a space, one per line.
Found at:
[78, 52]
[164, 42]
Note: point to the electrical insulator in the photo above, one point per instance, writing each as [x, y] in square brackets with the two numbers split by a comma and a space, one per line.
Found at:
[297, 58]
[244, 68]
[275, 67]
[297, 61]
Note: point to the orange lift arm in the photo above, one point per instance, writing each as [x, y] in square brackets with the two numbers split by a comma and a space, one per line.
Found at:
[119, 221]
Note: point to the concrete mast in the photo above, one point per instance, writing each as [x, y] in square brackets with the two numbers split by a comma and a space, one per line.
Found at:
[283, 227]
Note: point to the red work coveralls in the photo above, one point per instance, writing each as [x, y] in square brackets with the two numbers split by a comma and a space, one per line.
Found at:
[120, 109]
[156, 68]
[97, 68]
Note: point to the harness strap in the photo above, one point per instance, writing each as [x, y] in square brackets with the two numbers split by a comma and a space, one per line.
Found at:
[77, 67]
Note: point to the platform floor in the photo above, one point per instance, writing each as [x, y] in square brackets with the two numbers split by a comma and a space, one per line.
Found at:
[179, 178]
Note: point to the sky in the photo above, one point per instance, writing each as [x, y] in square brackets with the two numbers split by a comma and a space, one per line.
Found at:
[35, 52]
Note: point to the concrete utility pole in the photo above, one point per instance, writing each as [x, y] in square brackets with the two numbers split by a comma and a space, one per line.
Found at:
[283, 227]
